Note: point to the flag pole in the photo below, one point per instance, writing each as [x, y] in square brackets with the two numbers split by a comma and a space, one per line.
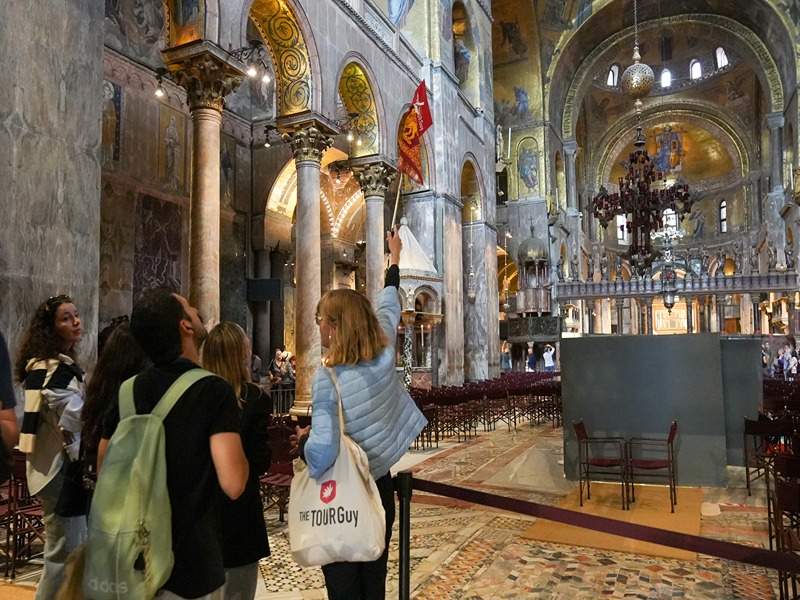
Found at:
[397, 200]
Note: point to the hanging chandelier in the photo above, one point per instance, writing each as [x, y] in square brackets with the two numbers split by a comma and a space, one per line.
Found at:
[639, 200]
[642, 204]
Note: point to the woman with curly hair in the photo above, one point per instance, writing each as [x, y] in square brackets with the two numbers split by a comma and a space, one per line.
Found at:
[53, 382]
[121, 358]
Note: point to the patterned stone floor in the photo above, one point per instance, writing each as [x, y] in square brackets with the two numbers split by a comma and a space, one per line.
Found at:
[462, 552]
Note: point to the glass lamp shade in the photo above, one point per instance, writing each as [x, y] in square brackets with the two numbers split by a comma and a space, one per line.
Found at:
[638, 79]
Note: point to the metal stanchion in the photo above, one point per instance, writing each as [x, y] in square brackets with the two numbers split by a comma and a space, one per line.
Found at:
[403, 483]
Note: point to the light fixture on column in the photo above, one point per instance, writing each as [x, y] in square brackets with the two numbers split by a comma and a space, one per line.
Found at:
[254, 55]
[472, 284]
[268, 129]
[351, 125]
[161, 74]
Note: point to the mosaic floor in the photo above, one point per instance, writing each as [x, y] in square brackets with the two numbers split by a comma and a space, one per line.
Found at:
[463, 553]
[460, 552]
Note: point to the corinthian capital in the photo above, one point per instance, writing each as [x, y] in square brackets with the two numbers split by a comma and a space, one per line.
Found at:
[374, 178]
[207, 73]
[308, 143]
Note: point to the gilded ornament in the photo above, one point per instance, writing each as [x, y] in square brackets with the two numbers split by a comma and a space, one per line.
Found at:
[308, 144]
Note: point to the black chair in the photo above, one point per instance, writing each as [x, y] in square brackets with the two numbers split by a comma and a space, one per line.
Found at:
[654, 458]
[783, 488]
[601, 457]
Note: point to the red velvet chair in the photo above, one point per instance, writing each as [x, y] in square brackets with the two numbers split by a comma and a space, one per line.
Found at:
[601, 457]
[654, 458]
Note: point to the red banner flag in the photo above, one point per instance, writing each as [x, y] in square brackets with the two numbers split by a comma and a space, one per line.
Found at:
[415, 122]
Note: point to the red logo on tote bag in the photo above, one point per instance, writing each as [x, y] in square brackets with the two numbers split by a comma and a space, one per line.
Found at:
[327, 491]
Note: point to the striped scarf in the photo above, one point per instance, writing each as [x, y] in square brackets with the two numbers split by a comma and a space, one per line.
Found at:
[49, 378]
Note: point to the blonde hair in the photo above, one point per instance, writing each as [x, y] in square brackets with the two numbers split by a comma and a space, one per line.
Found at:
[224, 353]
[359, 336]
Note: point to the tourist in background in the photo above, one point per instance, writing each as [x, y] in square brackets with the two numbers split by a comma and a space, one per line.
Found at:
[359, 348]
[46, 366]
[530, 361]
[226, 352]
[121, 359]
[276, 367]
[549, 362]
[505, 356]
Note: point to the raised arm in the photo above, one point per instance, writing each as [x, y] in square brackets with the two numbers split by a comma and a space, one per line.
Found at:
[387, 307]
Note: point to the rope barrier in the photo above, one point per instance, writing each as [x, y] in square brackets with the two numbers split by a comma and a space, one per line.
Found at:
[405, 483]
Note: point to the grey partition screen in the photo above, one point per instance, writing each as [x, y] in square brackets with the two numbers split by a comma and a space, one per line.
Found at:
[636, 385]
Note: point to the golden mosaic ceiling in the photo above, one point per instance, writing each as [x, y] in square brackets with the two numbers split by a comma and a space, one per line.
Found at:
[357, 96]
[683, 151]
[280, 31]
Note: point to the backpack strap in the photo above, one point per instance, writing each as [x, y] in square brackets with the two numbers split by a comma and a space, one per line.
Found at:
[177, 389]
[126, 406]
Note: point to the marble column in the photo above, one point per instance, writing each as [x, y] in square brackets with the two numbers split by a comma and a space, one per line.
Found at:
[720, 300]
[374, 179]
[649, 309]
[570, 150]
[756, 316]
[775, 123]
[207, 74]
[689, 321]
[308, 144]
[620, 303]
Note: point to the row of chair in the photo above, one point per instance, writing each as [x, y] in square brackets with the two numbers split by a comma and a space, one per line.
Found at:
[21, 519]
[460, 411]
[626, 460]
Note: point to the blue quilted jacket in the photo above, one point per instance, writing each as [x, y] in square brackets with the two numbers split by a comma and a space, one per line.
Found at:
[379, 414]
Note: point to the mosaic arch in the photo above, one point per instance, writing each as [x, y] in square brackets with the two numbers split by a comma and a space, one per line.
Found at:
[357, 96]
[698, 148]
[278, 26]
[472, 209]
[767, 68]
[340, 201]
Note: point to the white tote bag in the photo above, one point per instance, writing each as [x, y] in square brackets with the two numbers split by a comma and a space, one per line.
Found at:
[339, 517]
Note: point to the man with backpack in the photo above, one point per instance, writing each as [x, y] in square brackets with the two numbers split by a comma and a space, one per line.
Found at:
[199, 449]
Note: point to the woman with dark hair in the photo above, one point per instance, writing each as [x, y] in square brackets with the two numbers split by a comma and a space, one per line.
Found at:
[121, 359]
[53, 383]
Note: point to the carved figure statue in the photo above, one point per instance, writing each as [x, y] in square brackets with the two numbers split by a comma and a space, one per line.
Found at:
[461, 57]
[398, 10]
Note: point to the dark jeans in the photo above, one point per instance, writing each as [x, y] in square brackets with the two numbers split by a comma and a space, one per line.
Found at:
[364, 580]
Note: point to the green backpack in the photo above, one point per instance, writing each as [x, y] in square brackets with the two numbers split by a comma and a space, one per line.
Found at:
[129, 548]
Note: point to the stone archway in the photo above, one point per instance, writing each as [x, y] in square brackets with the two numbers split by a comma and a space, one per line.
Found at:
[359, 99]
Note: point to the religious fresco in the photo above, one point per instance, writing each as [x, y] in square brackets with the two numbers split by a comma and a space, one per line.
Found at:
[171, 148]
[511, 32]
[187, 21]
[682, 150]
[159, 240]
[136, 29]
[112, 124]
[117, 233]
[512, 111]
[527, 168]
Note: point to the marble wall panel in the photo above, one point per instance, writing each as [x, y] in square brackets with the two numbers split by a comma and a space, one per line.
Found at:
[139, 137]
[112, 124]
[244, 177]
[420, 212]
[452, 363]
[50, 170]
[232, 271]
[476, 319]
[159, 245]
[172, 149]
[492, 302]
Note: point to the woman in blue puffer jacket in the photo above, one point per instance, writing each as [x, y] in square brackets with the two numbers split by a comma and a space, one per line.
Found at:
[379, 415]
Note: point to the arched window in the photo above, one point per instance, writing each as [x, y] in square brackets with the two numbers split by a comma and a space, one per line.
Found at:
[695, 69]
[722, 58]
[723, 216]
[670, 219]
[666, 78]
[613, 76]
[623, 237]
